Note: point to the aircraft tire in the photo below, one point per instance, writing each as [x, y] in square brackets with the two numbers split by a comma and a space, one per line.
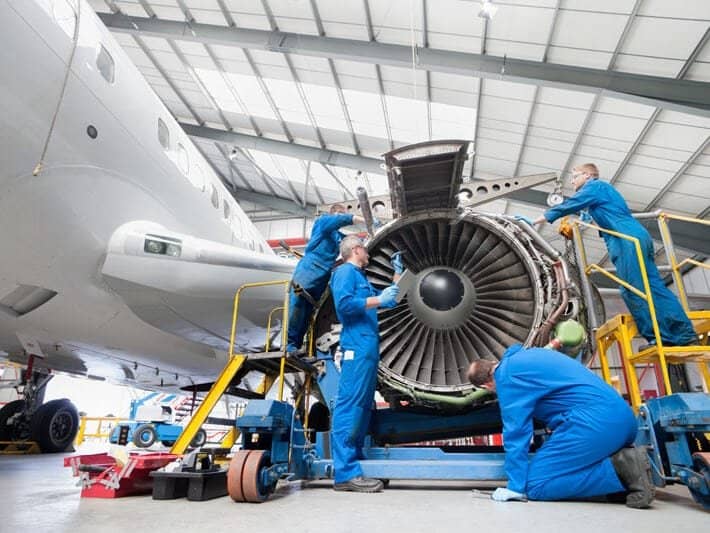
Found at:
[54, 425]
[8, 411]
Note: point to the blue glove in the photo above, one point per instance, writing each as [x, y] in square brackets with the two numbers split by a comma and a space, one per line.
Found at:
[376, 223]
[396, 261]
[584, 216]
[501, 494]
[525, 219]
[388, 296]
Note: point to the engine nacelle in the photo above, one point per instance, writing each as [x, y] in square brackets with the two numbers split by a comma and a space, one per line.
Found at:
[481, 283]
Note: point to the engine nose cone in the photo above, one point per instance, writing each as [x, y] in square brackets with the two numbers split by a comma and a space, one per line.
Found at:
[441, 290]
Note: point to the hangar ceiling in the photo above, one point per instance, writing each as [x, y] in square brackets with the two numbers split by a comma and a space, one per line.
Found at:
[295, 101]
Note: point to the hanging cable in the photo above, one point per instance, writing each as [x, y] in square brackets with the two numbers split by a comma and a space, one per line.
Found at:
[414, 47]
[75, 41]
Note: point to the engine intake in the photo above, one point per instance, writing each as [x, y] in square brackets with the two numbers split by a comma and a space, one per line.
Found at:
[481, 283]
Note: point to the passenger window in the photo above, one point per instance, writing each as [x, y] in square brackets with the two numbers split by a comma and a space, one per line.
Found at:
[215, 197]
[105, 64]
[197, 177]
[163, 134]
[227, 211]
[183, 161]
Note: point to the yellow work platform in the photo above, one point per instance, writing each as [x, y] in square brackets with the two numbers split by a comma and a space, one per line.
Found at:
[621, 329]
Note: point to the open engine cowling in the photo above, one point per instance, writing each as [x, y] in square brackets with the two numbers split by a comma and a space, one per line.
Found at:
[481, 283]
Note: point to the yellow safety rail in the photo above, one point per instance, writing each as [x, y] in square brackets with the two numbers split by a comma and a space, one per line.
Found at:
[100, 432]
[663, 219]
[234, 363]
[621, 329]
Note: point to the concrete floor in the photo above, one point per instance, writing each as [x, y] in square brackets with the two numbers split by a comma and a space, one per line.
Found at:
[38, 494]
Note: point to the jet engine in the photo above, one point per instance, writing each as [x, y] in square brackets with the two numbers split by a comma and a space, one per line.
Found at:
[478, 283]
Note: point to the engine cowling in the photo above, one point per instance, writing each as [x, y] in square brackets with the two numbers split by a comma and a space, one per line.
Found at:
[480, 284]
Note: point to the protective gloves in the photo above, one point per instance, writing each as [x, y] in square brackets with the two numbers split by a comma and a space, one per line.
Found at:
[396, 261]
[525, 219]
[584, 216]
[502, 494]
[376, 223]
[388, 297]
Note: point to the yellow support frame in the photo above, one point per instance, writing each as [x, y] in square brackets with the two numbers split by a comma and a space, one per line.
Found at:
[621, 329]
[234, 363]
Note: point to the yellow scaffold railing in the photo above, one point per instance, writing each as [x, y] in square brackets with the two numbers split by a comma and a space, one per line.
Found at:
[235, 361]
[621, 329]
[104, 425]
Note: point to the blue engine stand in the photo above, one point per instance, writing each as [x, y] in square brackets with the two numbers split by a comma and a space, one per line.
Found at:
[672, 427]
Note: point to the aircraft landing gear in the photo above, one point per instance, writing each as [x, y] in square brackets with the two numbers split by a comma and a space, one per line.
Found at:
[53, 425]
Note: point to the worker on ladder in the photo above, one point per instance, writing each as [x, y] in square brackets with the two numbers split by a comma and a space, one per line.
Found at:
[609, 211]
[313, 271]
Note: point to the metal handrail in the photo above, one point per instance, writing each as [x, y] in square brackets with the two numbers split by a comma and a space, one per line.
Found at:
[645, 295]
[670, 252]
[284, 332]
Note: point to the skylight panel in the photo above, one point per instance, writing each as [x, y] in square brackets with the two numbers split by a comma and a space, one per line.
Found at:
[365, 111]
[325, 104]
[251, 94]
[408, 118]
[288, 100]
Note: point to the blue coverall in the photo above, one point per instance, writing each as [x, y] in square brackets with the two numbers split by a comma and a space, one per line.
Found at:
[609, 210]
[313, 272]
[589, 419]
[360, 344]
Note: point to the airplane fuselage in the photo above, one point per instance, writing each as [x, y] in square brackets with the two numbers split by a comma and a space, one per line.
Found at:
[116, 166]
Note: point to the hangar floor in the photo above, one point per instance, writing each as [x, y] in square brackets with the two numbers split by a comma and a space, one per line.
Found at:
[38, 494]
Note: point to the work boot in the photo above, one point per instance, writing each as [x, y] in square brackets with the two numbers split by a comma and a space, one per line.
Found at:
[634, 471]
[360, 484]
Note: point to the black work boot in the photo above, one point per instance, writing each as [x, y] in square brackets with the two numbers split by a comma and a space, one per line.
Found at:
[360, 484]
[634, 471]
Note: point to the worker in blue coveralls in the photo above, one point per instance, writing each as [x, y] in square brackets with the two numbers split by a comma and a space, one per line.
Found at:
[587, 454]
[356, 303]
[609, 211]
[310, 278]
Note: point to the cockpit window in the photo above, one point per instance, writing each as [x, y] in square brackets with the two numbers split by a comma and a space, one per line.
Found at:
[226, 208]
[105, 64]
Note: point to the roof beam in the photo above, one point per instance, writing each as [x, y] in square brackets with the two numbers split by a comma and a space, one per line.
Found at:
[334, 74]
[298, 151]
[681, 95]
[652, 119]
[167, 79]
[425, 43]
[679, 173]
[378, 72]
[533, 103]
[271, 201]
[479, 97]
[275, 203]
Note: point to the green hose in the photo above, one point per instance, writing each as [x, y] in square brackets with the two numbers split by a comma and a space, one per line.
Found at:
[454, 401]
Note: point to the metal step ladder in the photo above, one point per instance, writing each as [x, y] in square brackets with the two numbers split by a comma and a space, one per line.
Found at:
[274, 366]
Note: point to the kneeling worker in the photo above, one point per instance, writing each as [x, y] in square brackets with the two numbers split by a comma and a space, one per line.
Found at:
[591, 424]
[356, 302]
